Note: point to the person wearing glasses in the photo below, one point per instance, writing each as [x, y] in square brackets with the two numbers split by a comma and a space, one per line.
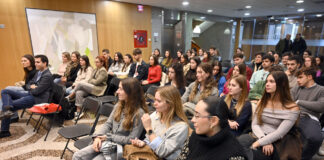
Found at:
[212, 137]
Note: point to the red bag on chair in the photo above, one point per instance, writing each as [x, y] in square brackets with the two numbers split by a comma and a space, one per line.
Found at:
[45, 108]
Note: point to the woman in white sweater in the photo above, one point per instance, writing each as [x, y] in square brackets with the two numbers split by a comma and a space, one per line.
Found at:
[117, 65]
[84, 74]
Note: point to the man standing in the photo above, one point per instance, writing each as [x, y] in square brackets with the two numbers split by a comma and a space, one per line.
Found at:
[261, 75]
[310, 98]
[238, 59]
[139, 69]
[292, 64]
[37, 91]
[299, 45]
[284, 45]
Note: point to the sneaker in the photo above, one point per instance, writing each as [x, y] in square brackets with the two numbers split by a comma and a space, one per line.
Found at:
[4, 134]
[6, 114]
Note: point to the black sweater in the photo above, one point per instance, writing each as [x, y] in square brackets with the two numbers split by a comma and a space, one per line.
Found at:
[221, 146]
[190, 76]
[30, 75]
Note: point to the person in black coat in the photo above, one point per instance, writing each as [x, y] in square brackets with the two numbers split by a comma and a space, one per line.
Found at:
[139, 69]
[299, 45]
[72, 69]
[37, 91]
[191, 74]
[212, 138]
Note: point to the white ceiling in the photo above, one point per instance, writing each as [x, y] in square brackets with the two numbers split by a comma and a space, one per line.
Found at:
[236, 8]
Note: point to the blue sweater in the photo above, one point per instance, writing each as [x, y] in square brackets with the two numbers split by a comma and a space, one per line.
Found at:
[221, 82]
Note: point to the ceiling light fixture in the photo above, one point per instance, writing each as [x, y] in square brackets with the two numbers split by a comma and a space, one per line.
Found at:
[285, 18]
[299, 1]
[247, 14]
[300, 10]
[197, 29]
[185, 3]
[209, 10]
[318, 15]
[202, 17]
[248, 7]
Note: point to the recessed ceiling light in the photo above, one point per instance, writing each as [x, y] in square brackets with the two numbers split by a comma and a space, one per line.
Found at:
[272, 17]
[318, 15]
[209, 10]
[299, 1]
[285, 18]
[246, 14]
[248, 7]
[202, 17]
[185, 3]
[300, 10]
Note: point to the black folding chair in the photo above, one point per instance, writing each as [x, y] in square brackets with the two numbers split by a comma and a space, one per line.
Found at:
[105, 110]
[79, 130]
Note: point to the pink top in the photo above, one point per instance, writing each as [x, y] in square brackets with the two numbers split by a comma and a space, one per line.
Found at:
[62, 68]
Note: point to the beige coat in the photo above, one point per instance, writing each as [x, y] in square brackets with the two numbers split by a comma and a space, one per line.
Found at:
[99, 79]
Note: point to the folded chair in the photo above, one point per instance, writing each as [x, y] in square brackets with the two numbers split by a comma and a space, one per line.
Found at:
[79, 130]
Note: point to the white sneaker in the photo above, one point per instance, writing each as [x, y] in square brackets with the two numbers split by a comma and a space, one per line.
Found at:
[321, 150]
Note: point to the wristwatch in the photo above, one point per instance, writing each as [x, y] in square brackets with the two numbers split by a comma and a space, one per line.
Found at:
[149, 132]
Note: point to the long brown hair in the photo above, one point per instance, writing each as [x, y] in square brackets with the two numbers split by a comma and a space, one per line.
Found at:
[31, 60]
[209, 83]
[135, 101]
[282, 93]
[172, 97]
[241, 80]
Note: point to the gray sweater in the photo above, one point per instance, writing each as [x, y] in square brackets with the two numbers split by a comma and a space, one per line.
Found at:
[116, 131]
[169, 141]
[310, 100]
[276, 124]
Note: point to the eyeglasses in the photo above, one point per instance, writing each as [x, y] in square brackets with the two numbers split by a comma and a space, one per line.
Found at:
[197, 115]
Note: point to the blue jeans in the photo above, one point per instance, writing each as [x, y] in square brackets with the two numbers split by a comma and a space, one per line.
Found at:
[17, 100]
[16, 88]
[69, 90]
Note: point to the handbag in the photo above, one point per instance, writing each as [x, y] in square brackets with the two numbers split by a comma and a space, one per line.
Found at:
[132, 152]
[45, 108]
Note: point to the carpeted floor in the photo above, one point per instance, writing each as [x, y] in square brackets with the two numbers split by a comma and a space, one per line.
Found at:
[27, 144]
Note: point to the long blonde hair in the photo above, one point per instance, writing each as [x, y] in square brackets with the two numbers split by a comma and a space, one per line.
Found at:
[172, 97]
[241, 80]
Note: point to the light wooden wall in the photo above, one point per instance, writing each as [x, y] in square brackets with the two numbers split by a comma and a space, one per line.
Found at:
[115, 25]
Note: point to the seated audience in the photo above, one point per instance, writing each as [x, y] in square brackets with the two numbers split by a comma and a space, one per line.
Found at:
[71, 70]
[36, 91]
[95, 86]
[310, 62]
[267, 62]
[117, 65]
[203, 87]
[212, 138]
[128, 61]
[184, 60]
[84, 74]
[154, 73]
[310, 98]
[176, 78]
[238, 104]
[239, 59]
[284, 60]
[66, 59]
[307, 53]
[123, 124]
[320, 72]
[238, 70]
[167, 60]
[276, 58]
[188, 53]
[106, 54]
[139, 69]
[191, 74]
[167, 128]
[28, 63]
[157, 54]
[215, 55]
[207, 58]
[219, 76]
[178, 59]
[256, 64]
[272, 125]
[293, 65]
[201, 54]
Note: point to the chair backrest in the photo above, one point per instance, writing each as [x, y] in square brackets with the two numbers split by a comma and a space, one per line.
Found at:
[105, 110]
[91, 106]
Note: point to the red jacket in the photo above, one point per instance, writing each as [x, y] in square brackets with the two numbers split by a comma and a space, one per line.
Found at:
[248, 73]
[154, 74]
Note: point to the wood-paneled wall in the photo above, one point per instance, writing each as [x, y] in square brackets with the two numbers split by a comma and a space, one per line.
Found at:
[115, 25]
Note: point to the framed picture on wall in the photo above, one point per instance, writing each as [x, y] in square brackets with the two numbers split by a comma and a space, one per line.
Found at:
[55, 32]
[140, 38]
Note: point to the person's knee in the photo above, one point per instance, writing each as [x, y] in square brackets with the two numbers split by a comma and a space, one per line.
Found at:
[77, 155]
[315, 138]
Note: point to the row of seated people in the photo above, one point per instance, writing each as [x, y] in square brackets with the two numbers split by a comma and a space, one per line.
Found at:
[203, 87]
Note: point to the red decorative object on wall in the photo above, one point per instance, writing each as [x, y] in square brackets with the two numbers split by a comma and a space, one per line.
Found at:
[140, 38]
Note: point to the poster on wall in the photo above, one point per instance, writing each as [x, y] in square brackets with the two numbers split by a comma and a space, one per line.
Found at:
[55, 32]
[140, 38]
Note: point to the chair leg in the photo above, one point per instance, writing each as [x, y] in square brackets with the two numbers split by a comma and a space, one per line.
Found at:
[67, 143]
[49, 129]
[40, 123]
[22, 113]
[35, 127]
[29, 119]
